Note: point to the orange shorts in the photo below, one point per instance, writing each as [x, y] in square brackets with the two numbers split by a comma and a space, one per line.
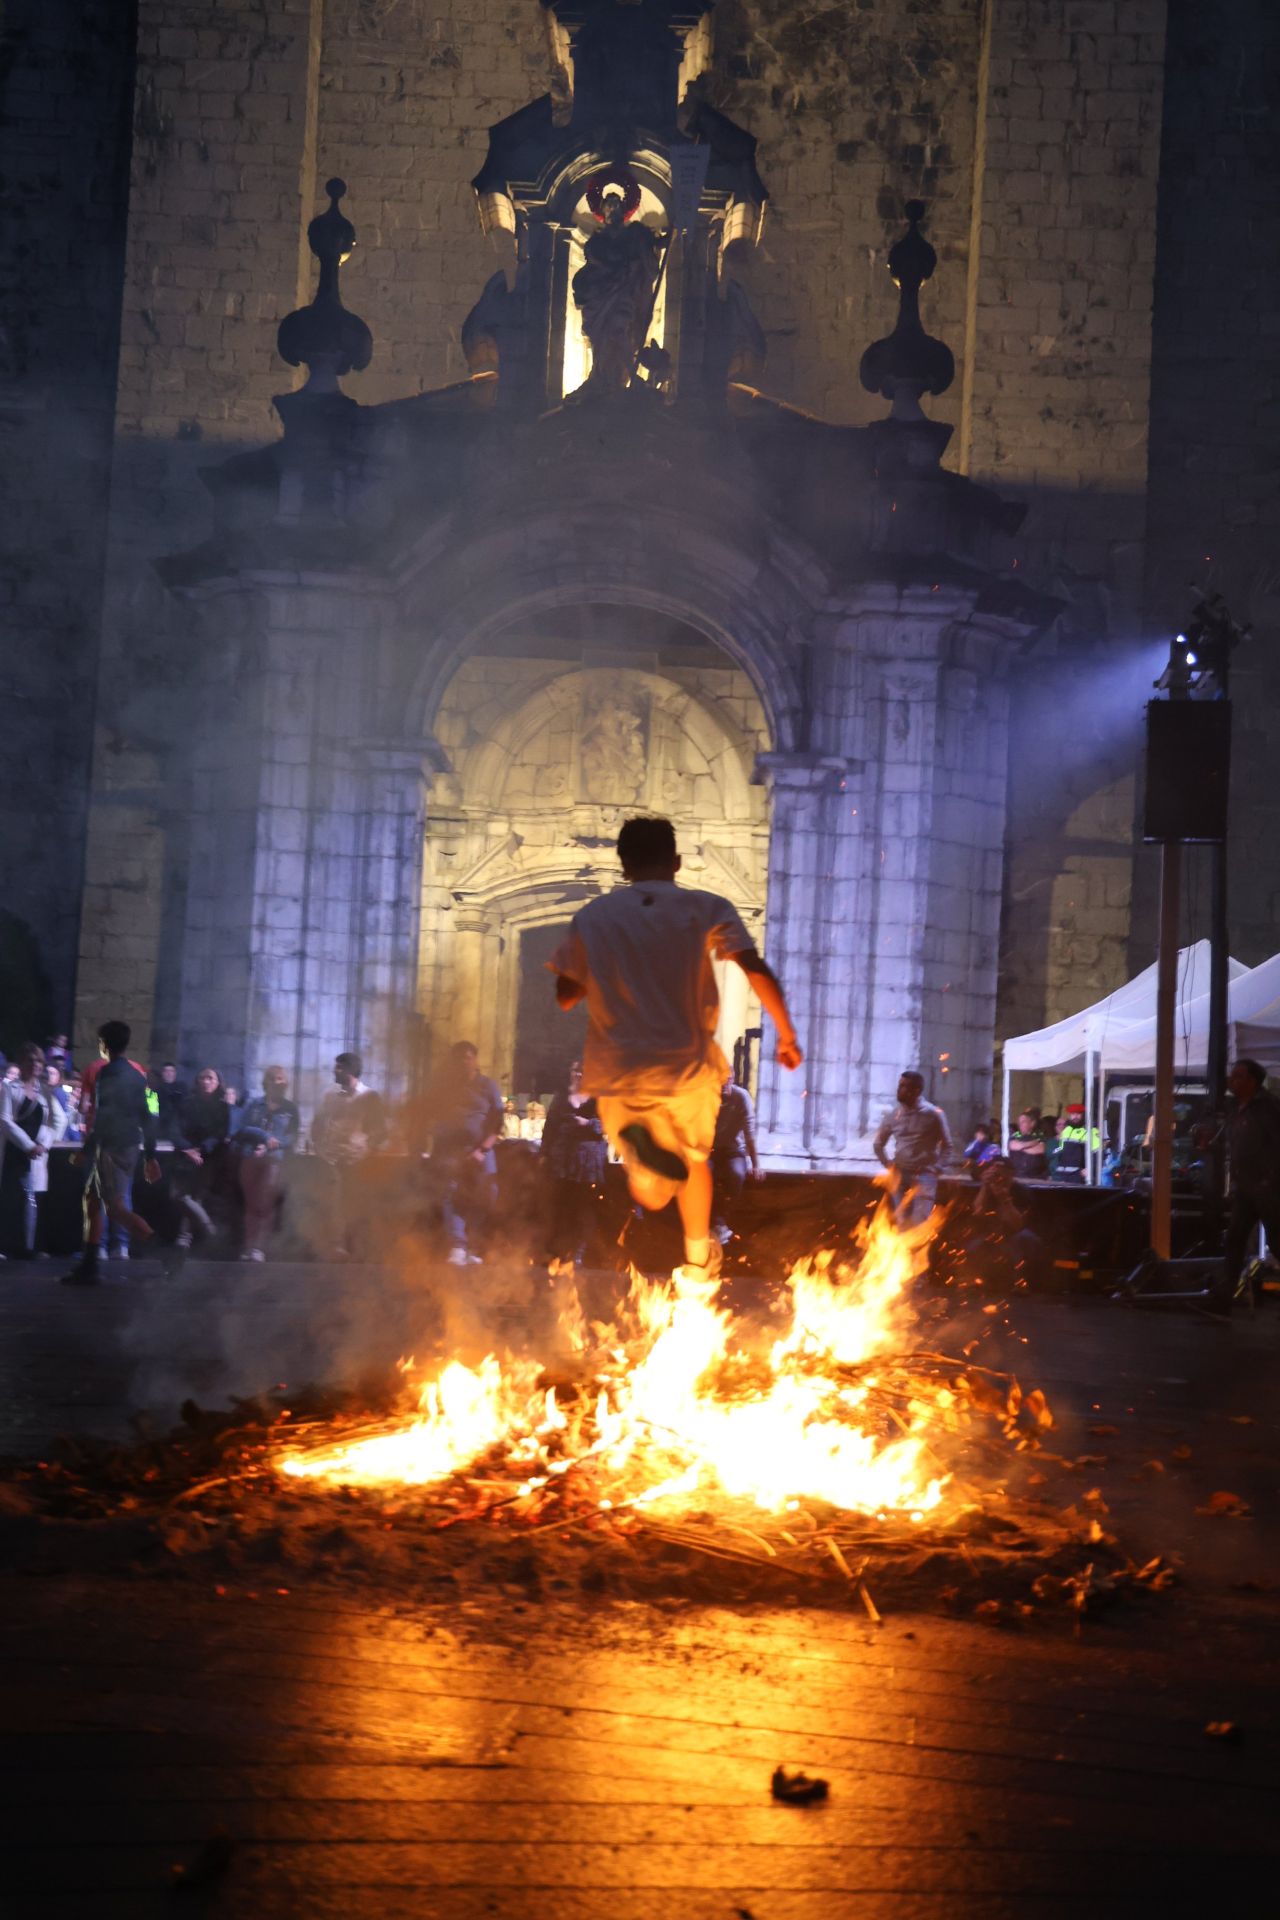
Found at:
[682, 1120]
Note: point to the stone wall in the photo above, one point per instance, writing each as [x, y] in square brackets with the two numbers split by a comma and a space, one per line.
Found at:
[856, 109]
[1057, 413]
[65, 81]
[408, 92]
[223, 154]
[1031, 126]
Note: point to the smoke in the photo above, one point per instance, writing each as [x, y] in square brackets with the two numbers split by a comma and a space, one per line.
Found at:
[220, 1332]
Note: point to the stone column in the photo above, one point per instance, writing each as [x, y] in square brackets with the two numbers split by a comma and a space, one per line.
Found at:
[302, 910]
[885, 870]
[936, 717]
[477, 954]
[812, 943]
[394, 776]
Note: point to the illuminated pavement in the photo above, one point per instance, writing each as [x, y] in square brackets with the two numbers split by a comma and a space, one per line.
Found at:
[551, 1759]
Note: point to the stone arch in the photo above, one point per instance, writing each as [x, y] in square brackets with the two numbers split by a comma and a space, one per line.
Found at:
[505, 855]
[523, 715]
[751, 596]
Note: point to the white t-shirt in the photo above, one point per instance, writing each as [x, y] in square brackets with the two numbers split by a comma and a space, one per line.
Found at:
[643, 953]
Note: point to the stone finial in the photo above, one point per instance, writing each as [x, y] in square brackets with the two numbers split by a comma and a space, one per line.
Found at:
[909, 361]
[324, 337]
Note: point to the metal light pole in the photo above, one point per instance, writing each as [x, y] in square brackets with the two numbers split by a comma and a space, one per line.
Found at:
[1212, 637]
[1188, 769]
[1166, 1007]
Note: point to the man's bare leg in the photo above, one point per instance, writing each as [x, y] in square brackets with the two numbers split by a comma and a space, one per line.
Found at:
[694, 1201]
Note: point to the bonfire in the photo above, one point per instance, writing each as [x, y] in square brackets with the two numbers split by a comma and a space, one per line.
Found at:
[818, 1446]
[835, 1430]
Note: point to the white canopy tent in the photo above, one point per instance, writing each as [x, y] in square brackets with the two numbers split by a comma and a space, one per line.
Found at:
[1253, 1028]
[1084, 1042]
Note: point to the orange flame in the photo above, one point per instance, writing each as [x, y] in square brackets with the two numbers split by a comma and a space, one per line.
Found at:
[683, 1402]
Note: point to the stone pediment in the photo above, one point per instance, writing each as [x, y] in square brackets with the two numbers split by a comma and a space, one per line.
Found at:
[760, 472]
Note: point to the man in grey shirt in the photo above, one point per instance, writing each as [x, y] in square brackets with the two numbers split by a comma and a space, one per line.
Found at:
[921, 1148]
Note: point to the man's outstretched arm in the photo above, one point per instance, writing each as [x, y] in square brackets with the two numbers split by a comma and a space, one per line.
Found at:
[768, 991]
[568, 992]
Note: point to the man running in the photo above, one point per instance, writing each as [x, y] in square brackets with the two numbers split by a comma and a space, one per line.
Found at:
[641, 958]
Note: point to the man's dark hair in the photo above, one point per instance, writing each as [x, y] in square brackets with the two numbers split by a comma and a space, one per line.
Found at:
[646, 841]
[460, 1047]
[115, 1035]
[1256, 1072]
[350, 1063]
[914, 1074]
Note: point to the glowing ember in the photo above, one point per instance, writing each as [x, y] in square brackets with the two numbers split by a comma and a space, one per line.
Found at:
[679, 1403]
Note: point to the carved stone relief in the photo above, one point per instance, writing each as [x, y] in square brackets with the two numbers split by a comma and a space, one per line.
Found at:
[613, 745]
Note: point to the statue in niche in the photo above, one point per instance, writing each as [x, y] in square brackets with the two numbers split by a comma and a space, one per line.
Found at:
[611, 755]
[615, 285]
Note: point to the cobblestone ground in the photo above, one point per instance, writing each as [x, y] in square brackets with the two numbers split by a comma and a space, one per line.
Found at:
[308, 1753]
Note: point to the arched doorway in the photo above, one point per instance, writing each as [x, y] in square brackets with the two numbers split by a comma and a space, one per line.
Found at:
[564, 721]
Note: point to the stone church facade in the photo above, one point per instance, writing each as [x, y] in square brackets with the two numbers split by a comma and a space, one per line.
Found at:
[382, 660]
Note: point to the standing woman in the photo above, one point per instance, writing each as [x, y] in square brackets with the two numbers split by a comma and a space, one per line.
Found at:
[267, 1134]
[32, 1120]
[575, 1154]
[203, 1127]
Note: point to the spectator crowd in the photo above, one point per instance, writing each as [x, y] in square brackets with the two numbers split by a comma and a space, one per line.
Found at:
[220, 1159]
[227, 1156]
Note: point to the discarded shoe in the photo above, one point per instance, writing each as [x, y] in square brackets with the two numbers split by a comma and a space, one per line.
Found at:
[796, 1789]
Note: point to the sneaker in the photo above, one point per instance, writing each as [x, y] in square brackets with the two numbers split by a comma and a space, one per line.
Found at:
[458, 1257]
[253, 1253]
[119, 1253]
[83, 1274]
[655, 1159]
[198, 1215]
[712, 1269]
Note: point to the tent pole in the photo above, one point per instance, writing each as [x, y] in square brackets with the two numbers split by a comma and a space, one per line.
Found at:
[1004, 1115]
[1166, 1007]
[1088, 1118]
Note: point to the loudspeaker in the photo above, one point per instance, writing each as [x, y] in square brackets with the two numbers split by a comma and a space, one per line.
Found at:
[1188, 769]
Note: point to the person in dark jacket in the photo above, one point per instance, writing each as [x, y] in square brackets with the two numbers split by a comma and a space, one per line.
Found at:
[204, 1125]
[466, 1127]
[735, 1158]
[267, 1135]
[1253, 1158]
[171, 1096]
[575, 1157]
[123, 1124]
